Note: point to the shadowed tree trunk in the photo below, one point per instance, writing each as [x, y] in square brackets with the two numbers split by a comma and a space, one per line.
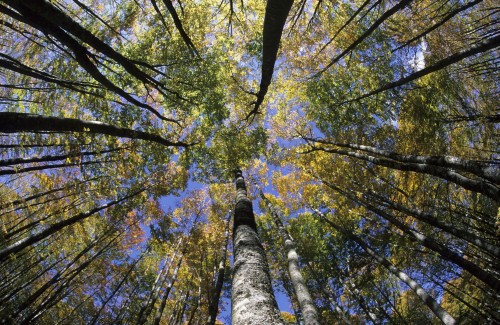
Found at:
[22, 122]
[274, 21]
[485, 45]
[180, 28]
[252, 297]
[214, 303]
[446, 253]
[34, 238]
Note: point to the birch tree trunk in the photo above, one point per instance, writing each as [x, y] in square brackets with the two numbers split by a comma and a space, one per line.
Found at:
[309, 312]
[444, 251]
[214, 304]
[252, 297]
[169, 288]
[480, 186]
[417, 288]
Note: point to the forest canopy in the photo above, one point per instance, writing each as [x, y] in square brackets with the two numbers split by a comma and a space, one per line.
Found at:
[185, 162]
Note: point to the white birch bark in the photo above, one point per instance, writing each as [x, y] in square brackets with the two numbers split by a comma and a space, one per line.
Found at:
[309, 312]
[252, 296]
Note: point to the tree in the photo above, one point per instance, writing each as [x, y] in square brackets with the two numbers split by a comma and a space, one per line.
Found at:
[308, 310]
[121, 124]
[251, 283]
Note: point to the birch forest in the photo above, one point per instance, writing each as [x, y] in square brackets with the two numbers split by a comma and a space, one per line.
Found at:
[246, 162]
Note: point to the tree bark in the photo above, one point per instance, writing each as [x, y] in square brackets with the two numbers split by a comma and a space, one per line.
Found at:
[21, 244]
[433, 220]
[274, 22]
[485, 45]
[386, 15]
[489, 171]
[148, 305]
[21, 122]
[252, 297]
[118, 286]
[309, 312]
[171, 282]
[19, 161]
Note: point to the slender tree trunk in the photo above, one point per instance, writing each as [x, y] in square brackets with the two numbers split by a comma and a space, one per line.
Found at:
[180, 316]
[486, 170]
[58, 293]
[46, 167]
[328, 295]
[274, 22]
[421, 293]
[49, 158]
[433, 220]
[361, 302]
[447, 254]
[214, 302]
[171, 283]
[148, 305]
[30, 300]
[21, 244]
[479, 186]
[41, 194]
[252, 297]
[195, 307]
[118, 286]
[485, 45]
[22, 122]
[309, 312]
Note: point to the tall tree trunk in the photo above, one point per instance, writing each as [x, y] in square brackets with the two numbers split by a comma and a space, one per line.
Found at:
[252, 297]
[118, 286]
[480, 186]
[421, 293]
[309, 312]
[21, 122]
[148, 305]
[171, 282]
[49, 158]
[433, 219]
[446, 253]
[328, 294]
[23, 243]
[214, 303]
[196, 303]
[274, 22]
[486, 170]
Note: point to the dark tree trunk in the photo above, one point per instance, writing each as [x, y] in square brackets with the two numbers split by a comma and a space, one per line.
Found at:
[447, 254]
[274, 22]
[22, 122]
[21, 244]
